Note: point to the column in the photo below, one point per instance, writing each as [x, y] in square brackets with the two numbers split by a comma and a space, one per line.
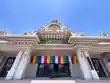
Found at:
[14, 66]
[93, 71]
[84, 65]
[22, 66]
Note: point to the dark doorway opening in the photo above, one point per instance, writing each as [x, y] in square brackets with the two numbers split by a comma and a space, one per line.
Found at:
[7, 66]
[53, 70]
[98, 67]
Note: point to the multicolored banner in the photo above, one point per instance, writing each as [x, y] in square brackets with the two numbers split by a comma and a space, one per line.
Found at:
[53, 59]
[74, 59]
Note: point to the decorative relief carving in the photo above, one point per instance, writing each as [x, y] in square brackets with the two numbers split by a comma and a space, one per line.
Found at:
[54, 29]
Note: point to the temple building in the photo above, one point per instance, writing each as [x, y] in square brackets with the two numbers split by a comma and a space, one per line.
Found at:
[54, 51]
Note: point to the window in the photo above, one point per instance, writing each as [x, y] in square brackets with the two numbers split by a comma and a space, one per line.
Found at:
[7, 66]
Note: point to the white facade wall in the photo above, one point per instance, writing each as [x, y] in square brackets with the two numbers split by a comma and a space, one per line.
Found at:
[76, 72]
[31, 71]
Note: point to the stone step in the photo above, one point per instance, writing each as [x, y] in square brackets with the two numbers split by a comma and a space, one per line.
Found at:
[92, 81]
[15, 81]
[37, 81]
[54, 81]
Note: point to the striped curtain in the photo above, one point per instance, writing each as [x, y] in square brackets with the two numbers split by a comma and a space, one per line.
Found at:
[53, 59]
[74, 60]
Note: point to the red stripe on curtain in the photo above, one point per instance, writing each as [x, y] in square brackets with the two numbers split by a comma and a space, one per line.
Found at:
[31, 59]
[45, 59]
[59, 59]
[72, 59]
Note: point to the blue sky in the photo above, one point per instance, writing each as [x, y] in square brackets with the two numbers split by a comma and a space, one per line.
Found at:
[89, 16]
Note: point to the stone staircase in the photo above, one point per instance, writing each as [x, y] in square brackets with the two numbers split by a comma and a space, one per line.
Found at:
[36, 81]
[54, 81]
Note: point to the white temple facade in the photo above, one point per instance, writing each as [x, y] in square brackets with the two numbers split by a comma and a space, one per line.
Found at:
[54, 52]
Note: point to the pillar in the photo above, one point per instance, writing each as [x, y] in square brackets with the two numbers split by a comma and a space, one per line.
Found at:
[23, 64]
[14, 66]
[93, 71]
[84, 65]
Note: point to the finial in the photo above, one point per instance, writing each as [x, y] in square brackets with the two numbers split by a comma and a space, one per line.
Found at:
[54, 21]
[6, 31]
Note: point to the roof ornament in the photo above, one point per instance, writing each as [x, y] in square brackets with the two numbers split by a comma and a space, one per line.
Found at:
[33, 33]
[6, 32]
[61, 24]
[74, 33]
[77, 34]
[102, 33]
[54, 21]
[82, 34]
[28, 33]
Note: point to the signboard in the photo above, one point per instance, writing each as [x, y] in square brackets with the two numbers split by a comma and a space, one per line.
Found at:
[54, 42]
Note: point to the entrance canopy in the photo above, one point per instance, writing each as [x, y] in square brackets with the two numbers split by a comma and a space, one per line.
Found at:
[53, 59]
